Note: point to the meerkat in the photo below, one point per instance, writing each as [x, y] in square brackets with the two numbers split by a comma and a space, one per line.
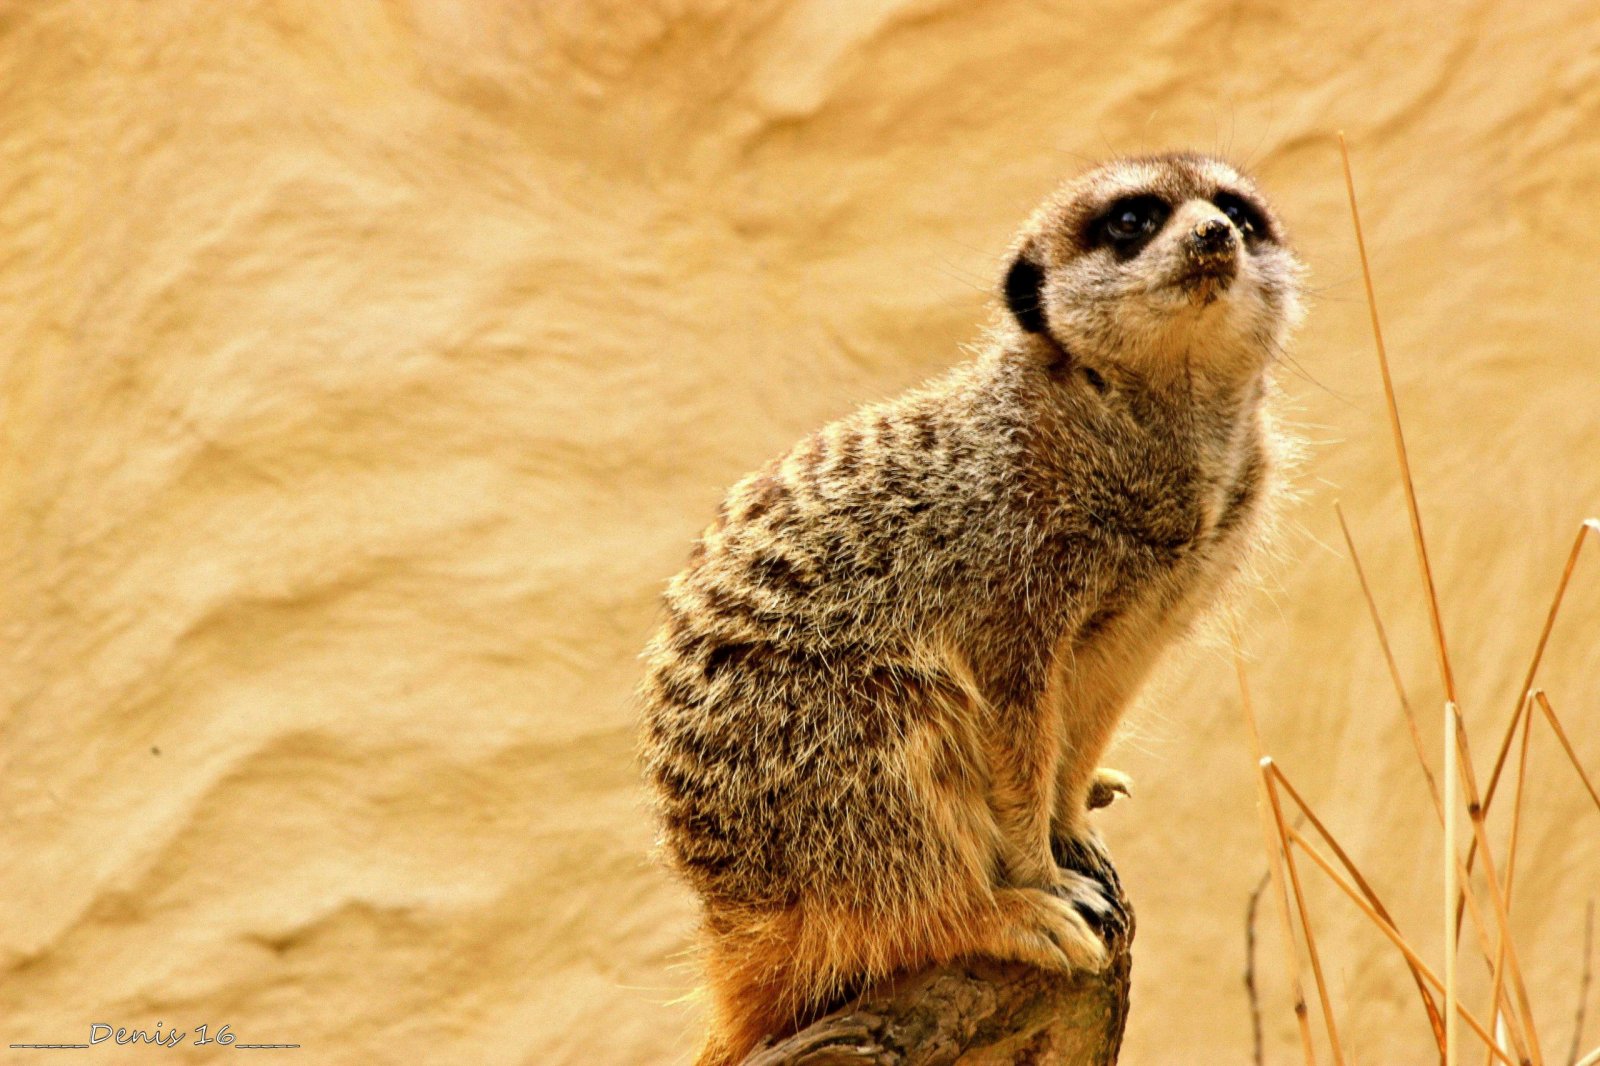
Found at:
[876, 706]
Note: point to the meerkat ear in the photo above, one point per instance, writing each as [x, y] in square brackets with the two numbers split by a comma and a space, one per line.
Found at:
[1025, 292]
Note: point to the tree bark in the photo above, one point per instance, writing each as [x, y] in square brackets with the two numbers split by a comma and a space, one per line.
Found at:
[975, 1012]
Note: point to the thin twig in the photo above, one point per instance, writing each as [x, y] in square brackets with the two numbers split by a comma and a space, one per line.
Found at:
[1275, 865]
[1267, 768]
[1399, 436]
[1526, 717]
[1452, 916]
[1434, 1018]
[1388, 657]
[1561, 735]
[1591, 525]
[1250, 988]
[1583, 983]
[1396, 939]
[1480, 925]
[1458, 736]
[1516, 801]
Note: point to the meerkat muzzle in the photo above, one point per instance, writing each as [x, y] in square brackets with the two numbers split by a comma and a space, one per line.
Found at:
[1211, 251]
[1212, 238]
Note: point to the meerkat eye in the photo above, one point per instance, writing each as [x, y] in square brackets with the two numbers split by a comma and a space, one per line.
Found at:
[1242, 214]
[1131, 222]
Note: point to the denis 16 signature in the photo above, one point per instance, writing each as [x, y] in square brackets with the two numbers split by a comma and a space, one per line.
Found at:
[102, 1033]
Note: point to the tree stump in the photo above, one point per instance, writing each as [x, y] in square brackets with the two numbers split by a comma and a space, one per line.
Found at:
[974, 1012]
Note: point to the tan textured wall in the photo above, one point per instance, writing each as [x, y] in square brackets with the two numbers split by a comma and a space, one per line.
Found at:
[365, 368]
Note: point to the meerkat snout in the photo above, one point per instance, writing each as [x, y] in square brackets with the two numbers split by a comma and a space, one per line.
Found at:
[1212, 260]
[1212, 239]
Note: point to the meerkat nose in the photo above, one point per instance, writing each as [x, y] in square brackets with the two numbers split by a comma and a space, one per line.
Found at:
[1212, 237]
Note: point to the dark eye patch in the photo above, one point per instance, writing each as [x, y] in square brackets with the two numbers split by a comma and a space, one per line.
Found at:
[1246, 216]
[1128, 224]
[1024, 292]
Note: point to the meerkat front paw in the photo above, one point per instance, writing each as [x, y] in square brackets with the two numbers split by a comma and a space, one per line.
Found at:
[1106, 785]
[1045, 929]
[1100, 906]
[1081, 855]
[1080, 849]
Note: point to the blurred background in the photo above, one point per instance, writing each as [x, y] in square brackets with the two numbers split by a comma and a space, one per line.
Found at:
[366, 368]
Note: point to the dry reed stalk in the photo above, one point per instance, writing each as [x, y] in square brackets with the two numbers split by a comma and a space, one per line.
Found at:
[1490, 955]
[1395, 938]
[1388, 657]
[1561, 735]
[1420, 541]
[1583, 982]
[1589, 525]
[1526, 718]
[1501, 1003]
[1434, 1019]
[1275, 863]
[1515, 1020]
[1479, 809]
[1399, 436]
[1266, 766]
[1452, 916]
[1458, 737]
[1516, 800]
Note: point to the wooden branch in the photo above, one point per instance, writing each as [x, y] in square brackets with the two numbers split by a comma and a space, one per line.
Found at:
[976, 1011]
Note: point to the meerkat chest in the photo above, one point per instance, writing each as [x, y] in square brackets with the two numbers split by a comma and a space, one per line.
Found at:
[1104, 662]
[1157, 587]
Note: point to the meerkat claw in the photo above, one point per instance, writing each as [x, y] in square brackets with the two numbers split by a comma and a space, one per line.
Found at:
[1099, 908]
[1076, 934]
[1107, 785]
[1084, 855]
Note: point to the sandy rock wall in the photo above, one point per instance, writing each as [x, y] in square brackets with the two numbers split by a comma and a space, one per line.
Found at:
[366, 368]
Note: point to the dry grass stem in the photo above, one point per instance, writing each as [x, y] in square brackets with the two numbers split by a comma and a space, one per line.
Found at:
[1583, 982]
[1275, 864]
[1516, 800]
[1388, 657]
[1561, 735]
[1491, 956]
[1396, 939]
[1500, 1003]
[1434, 1018]
[1399, 436]
[1526, 718]
[1512, 1038]
[1590, 525]
[1267, 768]
[1452, 913]
[1458, 736]
[1254, 993]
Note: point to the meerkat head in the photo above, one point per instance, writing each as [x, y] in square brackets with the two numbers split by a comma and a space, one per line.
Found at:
[1157, 265]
